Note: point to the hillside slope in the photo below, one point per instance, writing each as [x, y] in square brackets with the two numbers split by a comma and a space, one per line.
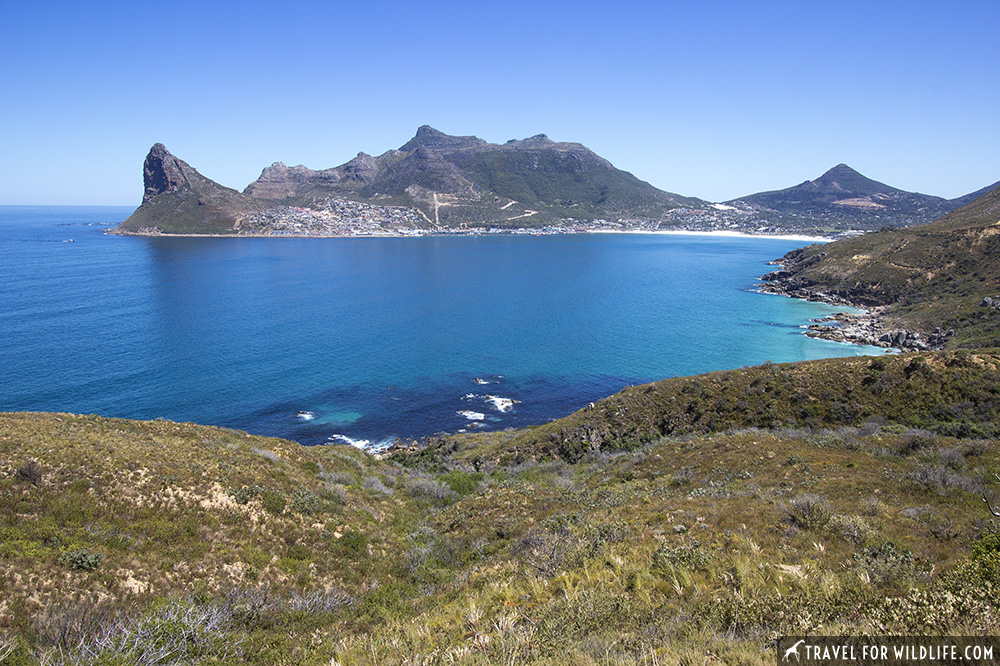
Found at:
[953, 393]
[459, 180]
[933, 276]
[667, 523]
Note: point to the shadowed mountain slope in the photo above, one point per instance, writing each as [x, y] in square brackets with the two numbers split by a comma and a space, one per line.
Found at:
[842, 195]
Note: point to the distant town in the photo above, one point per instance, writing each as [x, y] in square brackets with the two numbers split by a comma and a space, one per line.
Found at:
[332, 216]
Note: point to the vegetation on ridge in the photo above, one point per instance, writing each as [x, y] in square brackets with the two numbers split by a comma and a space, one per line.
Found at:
[928, 277]
[155, 542]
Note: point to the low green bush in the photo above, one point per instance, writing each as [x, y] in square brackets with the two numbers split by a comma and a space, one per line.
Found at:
[81, 559]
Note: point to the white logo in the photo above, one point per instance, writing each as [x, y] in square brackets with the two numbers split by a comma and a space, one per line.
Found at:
[794, 650]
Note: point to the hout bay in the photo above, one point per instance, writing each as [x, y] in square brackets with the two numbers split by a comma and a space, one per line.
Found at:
[370, 339]
[694, 515]
[708, 374]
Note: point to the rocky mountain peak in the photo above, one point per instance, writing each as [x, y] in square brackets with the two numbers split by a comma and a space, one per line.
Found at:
[277, 171]
[840, 171]
[537, 141]
[161, 172]
[432, 139]
[362, 161]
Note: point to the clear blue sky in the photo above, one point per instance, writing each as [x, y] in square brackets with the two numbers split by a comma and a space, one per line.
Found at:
[707, 98]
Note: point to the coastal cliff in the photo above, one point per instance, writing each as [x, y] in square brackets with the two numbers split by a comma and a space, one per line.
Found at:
[178, 199]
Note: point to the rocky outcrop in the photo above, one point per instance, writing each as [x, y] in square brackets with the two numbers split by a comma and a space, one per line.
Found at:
[279, 183]
[162, 172]
[178, 200]
[430, 138]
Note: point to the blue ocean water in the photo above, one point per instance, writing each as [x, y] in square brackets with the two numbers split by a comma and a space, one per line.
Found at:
[353, 339]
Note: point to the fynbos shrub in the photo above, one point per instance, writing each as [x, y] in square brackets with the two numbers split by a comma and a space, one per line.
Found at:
[30, 471]
[305, 502]
[808, 512]
[688, 556]
[855, 529]
[423, 488]
[269, 498]
[81, 559]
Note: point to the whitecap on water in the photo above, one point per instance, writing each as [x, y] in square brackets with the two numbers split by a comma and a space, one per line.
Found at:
[305, 416]
[471, 415]
[344, 439]
[500, 404]
[363, 444]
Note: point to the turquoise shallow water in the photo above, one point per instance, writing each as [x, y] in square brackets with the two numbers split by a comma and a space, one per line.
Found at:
[372, 338]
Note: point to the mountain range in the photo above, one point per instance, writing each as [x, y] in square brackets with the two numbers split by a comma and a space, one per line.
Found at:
[456, 182]
[465, 180]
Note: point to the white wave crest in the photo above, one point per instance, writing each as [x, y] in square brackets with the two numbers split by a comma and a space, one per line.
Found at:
[362, 444]
[500, 404]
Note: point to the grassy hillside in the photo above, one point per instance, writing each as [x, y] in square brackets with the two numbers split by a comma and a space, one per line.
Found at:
[698, 526]
[931, 276]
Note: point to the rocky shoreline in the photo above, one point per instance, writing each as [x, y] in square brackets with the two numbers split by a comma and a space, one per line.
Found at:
[867, 327]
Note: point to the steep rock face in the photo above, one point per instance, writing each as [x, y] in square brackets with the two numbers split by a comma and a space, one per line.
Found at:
[177, 199]
[161, 172]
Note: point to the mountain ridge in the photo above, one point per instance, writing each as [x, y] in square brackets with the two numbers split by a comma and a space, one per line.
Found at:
[536, 177]
[436, 181]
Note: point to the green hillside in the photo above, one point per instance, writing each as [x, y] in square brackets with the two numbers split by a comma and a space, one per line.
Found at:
[695, 517]
[931, 276]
